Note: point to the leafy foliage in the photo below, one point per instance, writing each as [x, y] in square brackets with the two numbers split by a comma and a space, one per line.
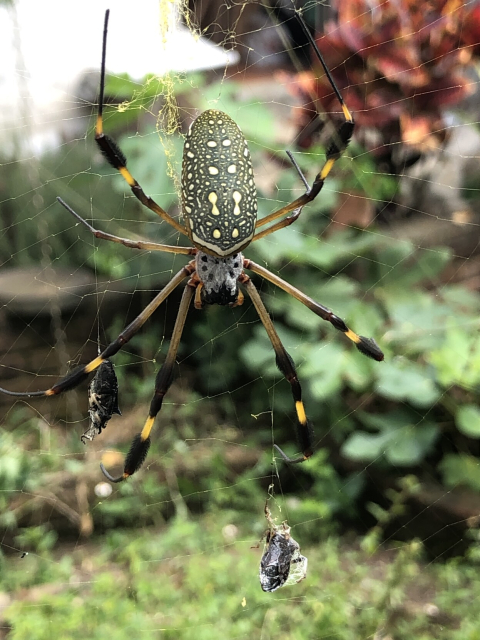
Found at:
[398, 66]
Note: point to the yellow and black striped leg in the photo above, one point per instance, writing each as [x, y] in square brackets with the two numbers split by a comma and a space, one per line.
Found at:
[285, 222]
[115, 156]
[335, 148]
[132, 244]
[287, 367]
[80, 374]
[141, 443]
[367, 346]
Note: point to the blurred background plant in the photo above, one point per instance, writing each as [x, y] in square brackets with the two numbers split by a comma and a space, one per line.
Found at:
[400, 66]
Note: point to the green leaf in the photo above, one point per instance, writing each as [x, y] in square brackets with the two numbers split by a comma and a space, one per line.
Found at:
[152, 158]
[365, 447]
[457, 296]
[420, 266]
[256, 354]
[402, 439]
[461, 469]
[387, 421]
[254, 118]
[358, 370]
[467, 420]
[324, 366]
[417, 319]
[457, 360]
[400, 379]
[411, 444]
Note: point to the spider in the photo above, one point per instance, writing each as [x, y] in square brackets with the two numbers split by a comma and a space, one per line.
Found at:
[219, 205]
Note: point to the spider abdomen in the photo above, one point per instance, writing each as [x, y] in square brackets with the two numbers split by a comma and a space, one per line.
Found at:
[219, 197]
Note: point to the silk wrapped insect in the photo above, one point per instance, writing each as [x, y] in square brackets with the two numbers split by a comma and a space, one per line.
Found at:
[102, 400]
[282, 564]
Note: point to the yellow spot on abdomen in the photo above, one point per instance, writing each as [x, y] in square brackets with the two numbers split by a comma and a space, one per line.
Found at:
[216, 234]
[212, 198]
[237, 196]
[213, 171]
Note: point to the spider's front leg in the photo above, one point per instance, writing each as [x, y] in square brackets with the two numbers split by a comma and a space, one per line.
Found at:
[335, 148]
[73, 379]
[115, 156]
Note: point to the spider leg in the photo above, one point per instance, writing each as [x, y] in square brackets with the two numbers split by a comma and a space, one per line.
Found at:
[335, 148]
[132, 244]
[367, 346]
[281, 224]
[73, 379]
[296, 212]
[287, 367]
[141, 443]
[115, 156]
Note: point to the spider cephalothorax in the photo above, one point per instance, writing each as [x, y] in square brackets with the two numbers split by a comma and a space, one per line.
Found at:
[220, 211]
[219, 277]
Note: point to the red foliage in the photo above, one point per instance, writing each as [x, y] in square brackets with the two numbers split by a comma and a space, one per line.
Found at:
[398, 64]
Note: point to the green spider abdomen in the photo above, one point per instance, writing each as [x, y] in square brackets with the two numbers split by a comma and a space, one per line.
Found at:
[219, 197]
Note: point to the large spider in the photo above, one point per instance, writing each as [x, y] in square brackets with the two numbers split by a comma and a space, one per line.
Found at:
[219, 205]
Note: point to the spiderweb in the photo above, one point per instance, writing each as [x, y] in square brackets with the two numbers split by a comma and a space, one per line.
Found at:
[391, 245]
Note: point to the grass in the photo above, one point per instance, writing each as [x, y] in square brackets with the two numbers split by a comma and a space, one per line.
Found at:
[197, 579]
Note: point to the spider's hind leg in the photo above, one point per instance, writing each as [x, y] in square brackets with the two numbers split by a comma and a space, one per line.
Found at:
[287, 367]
